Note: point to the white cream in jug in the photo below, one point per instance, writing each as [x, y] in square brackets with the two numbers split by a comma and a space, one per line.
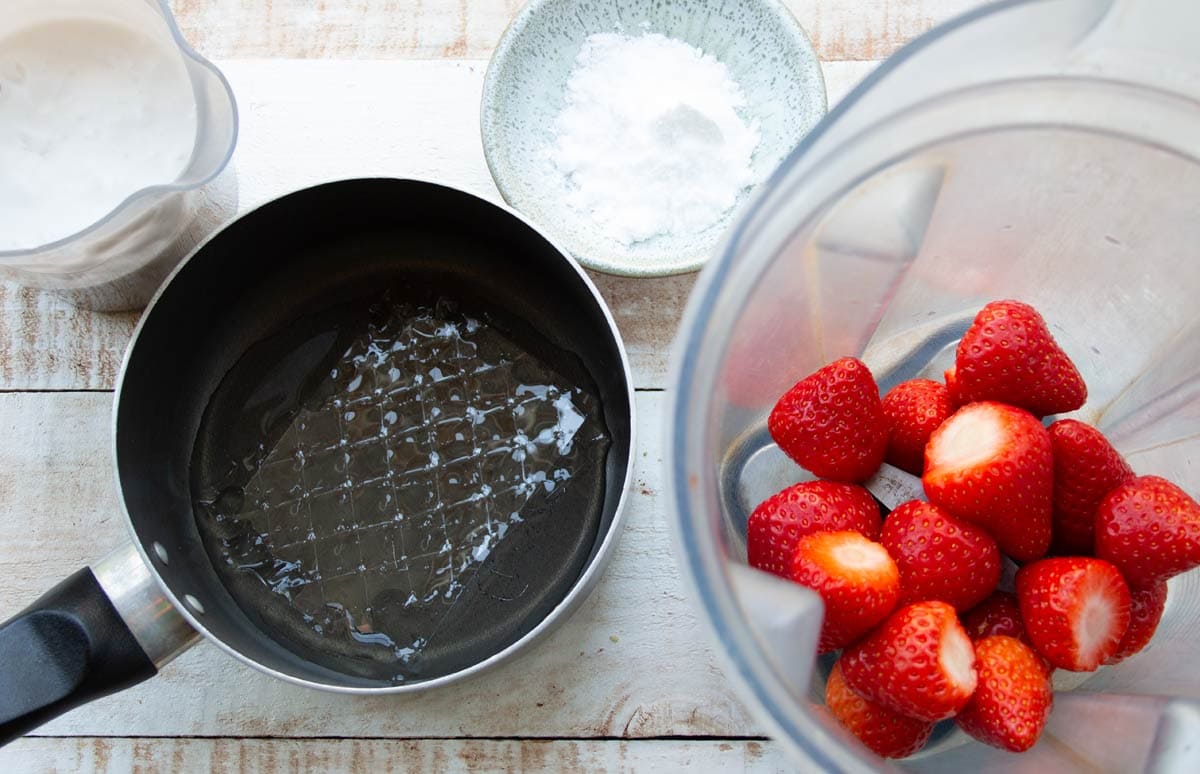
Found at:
[90, 112]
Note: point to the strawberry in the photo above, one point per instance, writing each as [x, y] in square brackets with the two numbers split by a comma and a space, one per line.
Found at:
[998, 614]
[991, 464]
[1086, 468]
[831, 422]
[1145, 611]
[950, 377]
[1013, 699]
[940, 557]
[913, 409]
[855, 577]
[1150, 529]
[801, 509]
[918, 662]
[1008, 355]
[884, 732]
[1075, 608]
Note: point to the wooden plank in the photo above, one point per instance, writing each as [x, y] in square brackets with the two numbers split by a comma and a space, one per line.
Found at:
[432, 756]
[434, 29]
[633, 662]
[46, 343]
[291, 138]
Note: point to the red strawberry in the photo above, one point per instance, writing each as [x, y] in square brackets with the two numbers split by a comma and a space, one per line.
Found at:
[940, 557]
[883, 731]
[1145, 611]
[1075, 608]
[1086, 468]
[855, 577]
[991, 464]
[913, 409]
[998, 614]
[950, 376]
[801, 509]
[1150, 529]
[1008, 355]
[831, 422]
[918, 662]
[1013, 700]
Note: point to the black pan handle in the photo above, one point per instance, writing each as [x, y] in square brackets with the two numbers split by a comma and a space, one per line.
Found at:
[67, 648]
[73, 645]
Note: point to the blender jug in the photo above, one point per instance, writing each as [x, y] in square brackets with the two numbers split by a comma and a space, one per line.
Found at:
[1042, 150]
[111, 125]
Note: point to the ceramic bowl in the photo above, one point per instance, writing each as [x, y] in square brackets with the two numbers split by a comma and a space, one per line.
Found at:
[766, 51]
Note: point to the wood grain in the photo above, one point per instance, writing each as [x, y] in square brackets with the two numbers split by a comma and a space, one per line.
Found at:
[633, 662]
[437, 29]
[290, 137]
[431, 756]
[45, 343]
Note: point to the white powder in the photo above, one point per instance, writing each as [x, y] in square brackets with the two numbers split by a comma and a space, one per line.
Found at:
[649, 139]
[91, 110]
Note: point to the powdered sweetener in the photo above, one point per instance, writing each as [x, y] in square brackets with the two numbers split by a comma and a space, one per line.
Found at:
[650, 139]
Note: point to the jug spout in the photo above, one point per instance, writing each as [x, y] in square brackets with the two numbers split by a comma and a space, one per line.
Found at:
[1152, 42]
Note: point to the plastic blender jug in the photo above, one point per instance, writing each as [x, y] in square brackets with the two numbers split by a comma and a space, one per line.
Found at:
[110, 124]
[1043, 150]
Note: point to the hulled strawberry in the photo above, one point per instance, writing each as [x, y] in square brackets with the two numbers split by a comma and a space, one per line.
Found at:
[1075, 609]
[950, 377]
[1008, 355]
[939, 556]
[918, 662]
[1145, 611]
[1086, 468]
[885, 732]
[856, 579]
[1150, 529]
[801, 509]
[991, 464]
[998, 614]
[913, 409]
[831, 422]
[1013, 699]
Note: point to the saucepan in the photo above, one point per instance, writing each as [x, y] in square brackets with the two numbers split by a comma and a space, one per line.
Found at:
[372, 437]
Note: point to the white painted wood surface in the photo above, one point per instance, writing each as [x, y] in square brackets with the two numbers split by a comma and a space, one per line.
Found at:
[383, 756]
[437, 29]
[322, 98]
[392, 118]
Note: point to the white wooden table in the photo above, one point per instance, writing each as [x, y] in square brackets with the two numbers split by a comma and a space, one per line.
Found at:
[378, 87]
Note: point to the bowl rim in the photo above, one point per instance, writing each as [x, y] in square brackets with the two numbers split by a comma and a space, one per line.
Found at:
[697, 256]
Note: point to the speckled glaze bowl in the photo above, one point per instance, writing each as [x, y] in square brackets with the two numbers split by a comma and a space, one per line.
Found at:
[761, 43]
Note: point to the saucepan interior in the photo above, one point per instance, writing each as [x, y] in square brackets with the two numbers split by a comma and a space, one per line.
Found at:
[375, 435]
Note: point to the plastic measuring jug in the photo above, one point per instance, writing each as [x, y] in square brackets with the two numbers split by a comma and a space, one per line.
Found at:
[1044, 150]
[112, 125]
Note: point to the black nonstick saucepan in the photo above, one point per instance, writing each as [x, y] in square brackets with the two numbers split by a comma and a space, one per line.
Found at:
[374, 436]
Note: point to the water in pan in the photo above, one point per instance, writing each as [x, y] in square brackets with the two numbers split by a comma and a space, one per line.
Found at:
[383, 492]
